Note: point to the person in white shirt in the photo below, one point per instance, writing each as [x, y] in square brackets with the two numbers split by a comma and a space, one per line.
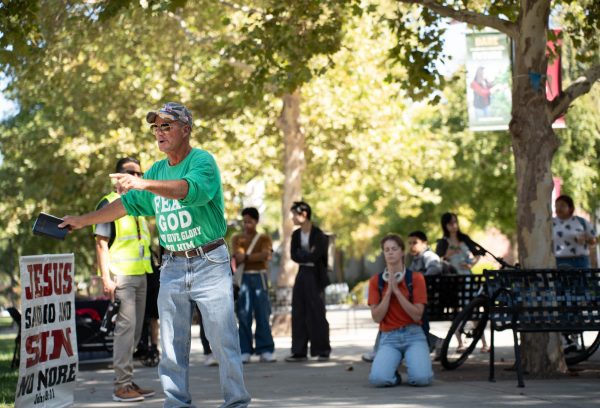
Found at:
[572, 235]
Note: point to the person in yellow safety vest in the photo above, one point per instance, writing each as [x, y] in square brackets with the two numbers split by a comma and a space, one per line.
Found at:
[124, 259]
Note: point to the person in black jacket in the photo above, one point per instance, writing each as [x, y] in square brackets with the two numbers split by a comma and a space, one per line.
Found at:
[309, 250]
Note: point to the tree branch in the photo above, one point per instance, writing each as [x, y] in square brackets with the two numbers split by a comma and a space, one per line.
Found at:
[507, 27]
[579, 87]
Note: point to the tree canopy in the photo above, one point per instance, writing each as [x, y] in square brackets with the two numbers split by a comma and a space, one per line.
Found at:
[84, 75]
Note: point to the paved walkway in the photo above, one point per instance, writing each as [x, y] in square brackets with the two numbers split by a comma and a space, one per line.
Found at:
[342, 381]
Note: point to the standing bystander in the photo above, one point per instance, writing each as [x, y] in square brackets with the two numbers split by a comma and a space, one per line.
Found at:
[253, 250]
[123, 256]
[309, 250]
[572, 235]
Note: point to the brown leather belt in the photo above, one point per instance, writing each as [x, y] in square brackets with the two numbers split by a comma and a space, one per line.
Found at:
[199, 251]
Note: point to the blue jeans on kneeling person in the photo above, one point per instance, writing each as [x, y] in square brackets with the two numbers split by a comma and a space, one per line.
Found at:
[409, 344]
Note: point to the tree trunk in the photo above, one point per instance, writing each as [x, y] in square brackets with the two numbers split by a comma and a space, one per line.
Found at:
[293, 140]
[534, 145]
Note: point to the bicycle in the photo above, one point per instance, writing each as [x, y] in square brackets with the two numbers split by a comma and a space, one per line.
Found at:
[470, 323]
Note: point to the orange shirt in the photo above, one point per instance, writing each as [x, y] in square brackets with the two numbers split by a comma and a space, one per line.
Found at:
[396, 317]
[240, 244]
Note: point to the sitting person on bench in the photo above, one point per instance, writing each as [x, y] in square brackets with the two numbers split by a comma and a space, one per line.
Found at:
[424, 260]
[398, 313]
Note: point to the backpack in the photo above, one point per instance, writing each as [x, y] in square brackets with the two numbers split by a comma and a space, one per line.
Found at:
[424, 318]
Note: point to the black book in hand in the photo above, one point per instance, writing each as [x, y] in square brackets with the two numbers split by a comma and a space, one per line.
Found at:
[47, 225]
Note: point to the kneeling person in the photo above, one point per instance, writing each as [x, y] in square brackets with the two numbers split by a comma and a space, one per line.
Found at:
[399, 312]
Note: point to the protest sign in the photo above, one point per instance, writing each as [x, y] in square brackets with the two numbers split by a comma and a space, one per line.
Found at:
[49, 361]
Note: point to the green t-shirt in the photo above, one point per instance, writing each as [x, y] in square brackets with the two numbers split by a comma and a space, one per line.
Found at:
[192, 221]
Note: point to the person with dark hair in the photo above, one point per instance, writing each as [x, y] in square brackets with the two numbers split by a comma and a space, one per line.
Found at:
[185, 194]
[309, 323]
[124, 259]
[398, 309]
[572, 235]
[424, 260]
[462, 253]
[457, 247]
[252, 250]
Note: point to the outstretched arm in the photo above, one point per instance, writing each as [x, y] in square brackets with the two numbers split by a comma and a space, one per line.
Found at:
[174, 189]
[108, 213]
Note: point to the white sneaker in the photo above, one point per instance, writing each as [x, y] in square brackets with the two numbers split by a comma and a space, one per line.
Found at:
[368, 357]
[267, 357]
[245, 358]
[210, 361]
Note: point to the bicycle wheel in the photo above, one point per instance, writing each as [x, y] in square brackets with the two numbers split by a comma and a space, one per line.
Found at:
[469, 324]
[581, 351]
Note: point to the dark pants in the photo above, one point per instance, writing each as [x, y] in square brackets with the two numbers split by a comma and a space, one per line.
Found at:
[308, 315]
[203, 339]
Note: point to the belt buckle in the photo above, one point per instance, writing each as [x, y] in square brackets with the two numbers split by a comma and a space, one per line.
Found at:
[198, 252]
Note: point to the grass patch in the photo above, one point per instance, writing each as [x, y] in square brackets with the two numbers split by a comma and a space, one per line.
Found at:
[8, 376]
[6, 321]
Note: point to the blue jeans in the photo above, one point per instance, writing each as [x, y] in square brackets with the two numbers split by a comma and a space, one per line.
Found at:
[573, 262]
[408, 344]
[254, 299]
[206, 281]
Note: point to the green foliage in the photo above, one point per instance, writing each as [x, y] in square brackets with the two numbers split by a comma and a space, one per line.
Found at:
[576, 161]
[281, 40]
[368, 154]
[376, 160]
[82, 102]
[419, 46]
[8, 376]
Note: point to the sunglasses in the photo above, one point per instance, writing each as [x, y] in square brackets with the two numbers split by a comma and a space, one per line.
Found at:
[133, 173]
[165, 127]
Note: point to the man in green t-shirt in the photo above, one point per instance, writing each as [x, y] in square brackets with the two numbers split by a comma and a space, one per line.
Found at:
[185, 195]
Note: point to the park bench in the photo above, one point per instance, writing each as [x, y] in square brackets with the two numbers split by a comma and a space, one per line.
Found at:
[447, 295]
[542, 300]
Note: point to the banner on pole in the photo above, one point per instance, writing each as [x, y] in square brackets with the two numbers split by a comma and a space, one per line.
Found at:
[554, 74]
[49, 361]
[488, 80]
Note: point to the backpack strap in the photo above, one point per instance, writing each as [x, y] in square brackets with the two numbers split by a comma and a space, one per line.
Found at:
[582, 222]
[409, 283]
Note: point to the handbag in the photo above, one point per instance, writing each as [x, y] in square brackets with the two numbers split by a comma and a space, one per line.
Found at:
[239, 270]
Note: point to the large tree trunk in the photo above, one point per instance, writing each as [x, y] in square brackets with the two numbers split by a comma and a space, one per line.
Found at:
[293, 140]
[534, 145]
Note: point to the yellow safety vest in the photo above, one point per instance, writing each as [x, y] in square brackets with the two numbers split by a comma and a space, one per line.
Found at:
[130, 251]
